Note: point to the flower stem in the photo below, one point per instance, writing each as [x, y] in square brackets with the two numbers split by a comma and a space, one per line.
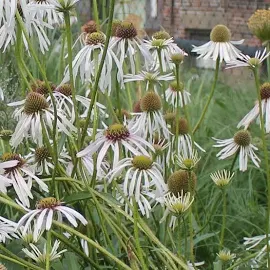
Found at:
[70, 68]
[136, 234]
[265, 151]
[234, 160]
[48, 250]
[163, 86]
[95, 11]
[179, 236]
[268, 60]
[209, 98]
[224, 211]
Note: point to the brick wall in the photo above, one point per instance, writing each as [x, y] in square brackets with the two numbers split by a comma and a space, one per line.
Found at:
[186, 18]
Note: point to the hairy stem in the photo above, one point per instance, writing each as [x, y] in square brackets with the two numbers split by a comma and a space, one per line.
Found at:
[224, 211]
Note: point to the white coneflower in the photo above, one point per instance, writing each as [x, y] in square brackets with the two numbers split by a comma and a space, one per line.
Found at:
[34, 27]
[16, 171]
[63, 98]
[187, 160]
[44, 215]
[127, 44]
[184, 138]
[44, 10]
[7, 229]
[114, 137]
[174, 91]
[40, 257]
[255, 112]
[28, 235]
[140, 171]
[87, 60]
[144, 201]
[34, 110]
[222, 178]
[151, 78]
[150, 120]
[247, 61]
[162, 46]
[64, 5]
[42, 161]
[241, 142]
[226, 255]
[220, 45]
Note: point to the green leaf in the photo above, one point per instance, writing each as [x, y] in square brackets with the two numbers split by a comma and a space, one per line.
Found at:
[217, 265]
[71, 261]
[203, 237]
[79, 196]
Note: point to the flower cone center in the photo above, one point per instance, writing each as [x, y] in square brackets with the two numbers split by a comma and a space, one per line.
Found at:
[265, 90]
[65, 89]
[161, 35]
[90, 27]
[182, 180]
[142, 162]
[175, 87]
[41, 153]
[49, 202]
[116, 132]
[34, 103]
[151, 102]
[242, 138]
[182, 127]
[126, 30]
[12, 156]
[220, 33]
[254, 61]
[95, 38]
[5, 134]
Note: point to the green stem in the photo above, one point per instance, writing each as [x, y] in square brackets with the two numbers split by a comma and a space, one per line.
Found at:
[13, 257]
[92, 243]
[268, 60]
[48, 250]
[95, 88]
[209, 98]
[179, 236]
[234, 160]
[163, 85]
[70, 68]
[265, 151]
[95, 11]
[177, 108]
[224, 212]
[136, 234]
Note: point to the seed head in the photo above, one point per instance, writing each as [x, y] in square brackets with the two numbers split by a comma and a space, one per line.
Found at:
[170, 117]
[242, 138]
[95, 38]
[90, 27]
[126, 30]
[41, 88]
[265, 90]
[254, 62]
[161, 35]
[220, 33]
[34, 103]
[65, 89]
[49, 202]
[137, 107]
[41, 154]
[116, 132]
[158, 43]
[180, 180]
[142, 162]
[175, 87]
[259, 24]
[177, 58]
[151, 102]
[182, 126]
[115, 25]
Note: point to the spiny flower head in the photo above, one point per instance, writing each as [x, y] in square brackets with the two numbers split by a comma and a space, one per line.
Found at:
[34, 103]
[220, 33]
[265, 90]
[175, 87]
[151, 102]
[95, 38]
[226, 255]
[183, 128]
[177, 58]
[115, 25]
[65, 89]
[117, 132]
[182, 180]
[188, 161]
[126, 30]
[161, 35]
[259, 24]
[40, 87]
[5, 134]
[242, 138]
[41, 154]
[49, 202]
[142, 162]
